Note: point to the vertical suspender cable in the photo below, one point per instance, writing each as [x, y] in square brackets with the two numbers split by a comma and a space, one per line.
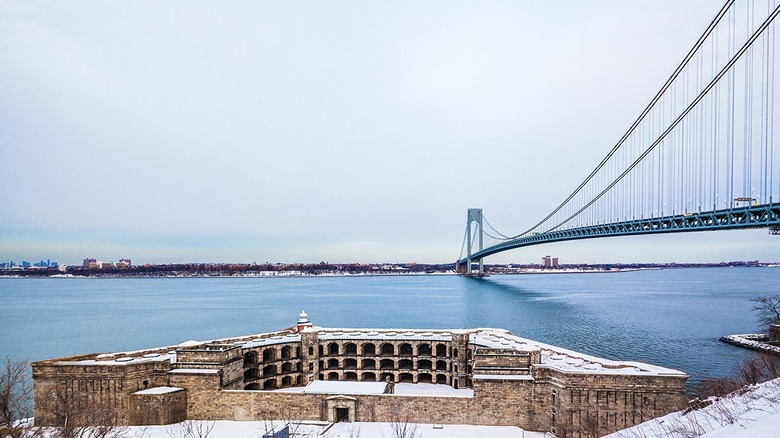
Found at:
[726, 7]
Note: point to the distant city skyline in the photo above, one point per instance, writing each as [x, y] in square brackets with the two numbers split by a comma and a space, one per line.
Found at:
[340, 132]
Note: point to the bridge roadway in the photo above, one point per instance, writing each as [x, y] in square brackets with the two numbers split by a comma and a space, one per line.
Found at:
[756, 216]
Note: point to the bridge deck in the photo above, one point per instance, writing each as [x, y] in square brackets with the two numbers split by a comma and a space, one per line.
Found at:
[757, 216]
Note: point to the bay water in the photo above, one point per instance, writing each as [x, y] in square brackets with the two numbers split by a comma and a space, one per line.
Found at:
[670, 317]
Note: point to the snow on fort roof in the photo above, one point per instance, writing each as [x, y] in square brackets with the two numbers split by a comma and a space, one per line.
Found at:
[566, 360]
[160, 390]
[342, 387]
[497, 340]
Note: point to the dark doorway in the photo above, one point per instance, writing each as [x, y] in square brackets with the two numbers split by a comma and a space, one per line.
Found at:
[342, 414]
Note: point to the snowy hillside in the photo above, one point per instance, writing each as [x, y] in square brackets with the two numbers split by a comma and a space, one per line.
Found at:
[752, 412]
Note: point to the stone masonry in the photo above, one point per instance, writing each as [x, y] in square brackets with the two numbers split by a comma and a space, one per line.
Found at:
[491, 377]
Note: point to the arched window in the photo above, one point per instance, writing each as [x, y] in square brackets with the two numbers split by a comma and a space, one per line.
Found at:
[405, 378]
[350, 349]
[424, 378]
[368, 364]
[441, 350]
[351, 376]
[369, 377]
[286, 352]
[405, 350]
[350, 364]
[387, 350]
[333, 376]
[250, 359]
[404, 364]
[369, 349]
[269, 355]
[424, 350]
[424, 364]
[386, 364]
[333, 364]
[333, 349]
[441, 365]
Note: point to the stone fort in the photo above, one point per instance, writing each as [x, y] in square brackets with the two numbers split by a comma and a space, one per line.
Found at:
[471, 376]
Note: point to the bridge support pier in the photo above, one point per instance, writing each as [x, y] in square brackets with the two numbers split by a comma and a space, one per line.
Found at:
[474, 216]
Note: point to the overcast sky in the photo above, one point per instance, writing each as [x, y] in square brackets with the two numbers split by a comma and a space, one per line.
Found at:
[343, 131]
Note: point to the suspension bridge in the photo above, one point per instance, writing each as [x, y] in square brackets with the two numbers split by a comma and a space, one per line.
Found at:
[701, 156]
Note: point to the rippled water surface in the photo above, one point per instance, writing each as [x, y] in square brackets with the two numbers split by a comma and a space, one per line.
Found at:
[667, 317]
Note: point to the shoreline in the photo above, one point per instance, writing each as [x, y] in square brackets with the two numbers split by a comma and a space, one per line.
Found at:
[376, 273]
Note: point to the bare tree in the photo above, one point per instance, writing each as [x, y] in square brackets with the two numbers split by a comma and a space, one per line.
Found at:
[353, 431]
[79, 418]
[759, 368]
[15, 397]
[191, 429]
[589, 426]
[768, 310]
[401, 425]
[709, 387]
[276, 421]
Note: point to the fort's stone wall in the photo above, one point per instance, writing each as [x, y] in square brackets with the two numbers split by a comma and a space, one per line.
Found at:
[226, 381]
[157, 407]
[76, 383]
[774, 334]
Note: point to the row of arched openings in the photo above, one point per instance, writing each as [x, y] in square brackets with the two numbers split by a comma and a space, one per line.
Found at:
[285, 382]
[384, 364]
[386, 349]
[383, 377]
[252, 358]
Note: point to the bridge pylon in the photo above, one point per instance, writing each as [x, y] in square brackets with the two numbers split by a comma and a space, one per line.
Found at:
[474, 216]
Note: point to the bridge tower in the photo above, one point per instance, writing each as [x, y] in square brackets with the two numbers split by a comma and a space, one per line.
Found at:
[474, 216]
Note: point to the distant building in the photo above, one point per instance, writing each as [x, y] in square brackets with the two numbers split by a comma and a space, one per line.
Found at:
[123, 263]
[89, 263]
[549, 262]
[46, 264]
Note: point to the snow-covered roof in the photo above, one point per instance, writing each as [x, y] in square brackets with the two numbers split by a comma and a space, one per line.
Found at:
[332, 334]
[567, 360]
[123, 358]
[160, 390]
[264, 342]
[500, 340]
[503, 377]
[341, 387]
[193, 371]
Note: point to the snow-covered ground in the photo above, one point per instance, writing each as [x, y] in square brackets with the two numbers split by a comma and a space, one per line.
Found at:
[751, 412]
[256, 429]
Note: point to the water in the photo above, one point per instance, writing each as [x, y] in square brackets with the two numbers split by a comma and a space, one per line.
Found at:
[666, 317]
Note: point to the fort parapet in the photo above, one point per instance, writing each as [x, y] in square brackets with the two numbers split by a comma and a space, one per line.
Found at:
[477, 376]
